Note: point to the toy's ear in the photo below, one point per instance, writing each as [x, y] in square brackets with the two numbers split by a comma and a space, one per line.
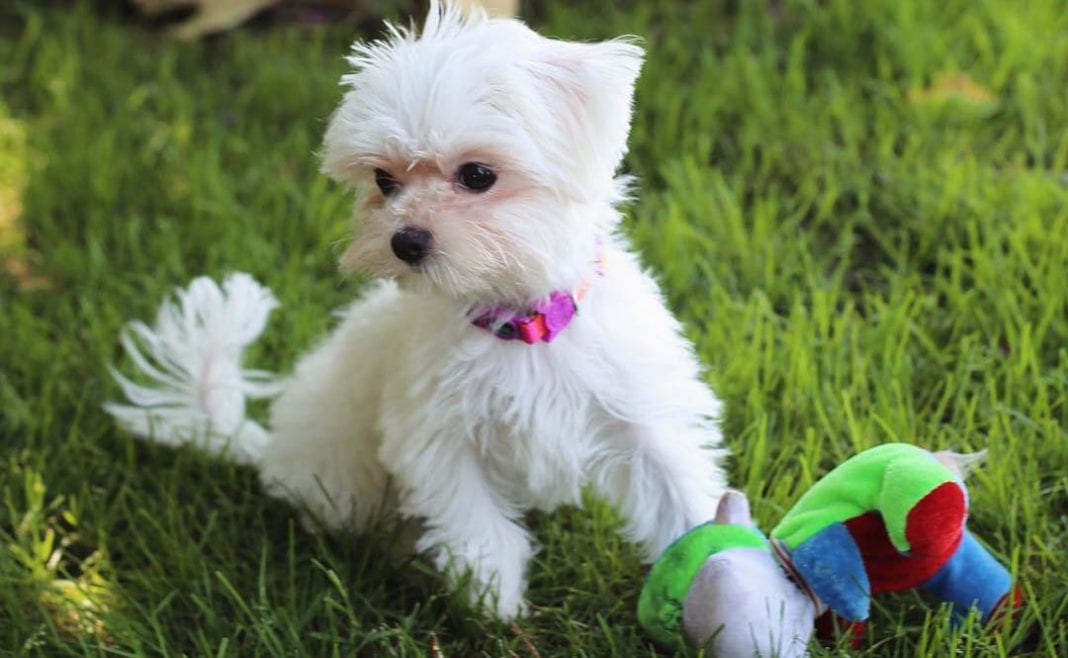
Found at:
[961, 463]
[733, 509]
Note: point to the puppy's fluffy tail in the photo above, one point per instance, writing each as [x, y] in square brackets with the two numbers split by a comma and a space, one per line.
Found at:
[191, 359]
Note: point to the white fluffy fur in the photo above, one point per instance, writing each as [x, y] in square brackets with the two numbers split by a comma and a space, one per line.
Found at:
[194, 361]
[406, 404]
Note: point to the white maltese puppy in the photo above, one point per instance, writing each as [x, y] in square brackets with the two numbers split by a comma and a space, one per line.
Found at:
[513, 353]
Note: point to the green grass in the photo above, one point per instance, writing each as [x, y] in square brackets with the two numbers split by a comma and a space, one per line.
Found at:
[860, 253]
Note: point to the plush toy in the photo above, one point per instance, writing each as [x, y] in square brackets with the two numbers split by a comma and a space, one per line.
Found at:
[888, 519]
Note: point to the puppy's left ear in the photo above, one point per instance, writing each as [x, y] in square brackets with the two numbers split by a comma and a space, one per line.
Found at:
[589, 88]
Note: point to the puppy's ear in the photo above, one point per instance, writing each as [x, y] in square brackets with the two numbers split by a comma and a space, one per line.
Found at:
[589, 88]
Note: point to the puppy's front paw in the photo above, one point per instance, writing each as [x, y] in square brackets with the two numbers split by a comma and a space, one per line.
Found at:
[485, 589]
[492, 581]
[505, 606]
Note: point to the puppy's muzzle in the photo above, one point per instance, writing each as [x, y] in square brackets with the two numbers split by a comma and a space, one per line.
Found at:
[411, 244]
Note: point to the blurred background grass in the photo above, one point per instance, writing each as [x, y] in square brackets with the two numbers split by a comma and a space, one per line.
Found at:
[858, 209]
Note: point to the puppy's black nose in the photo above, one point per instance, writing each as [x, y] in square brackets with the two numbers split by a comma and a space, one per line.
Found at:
[410, 244]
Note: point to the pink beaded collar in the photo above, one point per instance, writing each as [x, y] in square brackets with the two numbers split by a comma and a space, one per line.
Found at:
[542, 321]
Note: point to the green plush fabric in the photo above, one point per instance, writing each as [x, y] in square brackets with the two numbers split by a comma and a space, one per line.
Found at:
[889, 479]
[666, 586]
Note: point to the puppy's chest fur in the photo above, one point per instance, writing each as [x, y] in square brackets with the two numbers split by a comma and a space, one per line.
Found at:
[528, 411]
[539, 428]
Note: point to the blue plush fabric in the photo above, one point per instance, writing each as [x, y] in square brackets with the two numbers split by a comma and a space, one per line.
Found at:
[971, 578]
[831, 564]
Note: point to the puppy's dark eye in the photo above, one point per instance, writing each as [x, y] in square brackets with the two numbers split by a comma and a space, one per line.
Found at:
[385, 182]
[476, 177]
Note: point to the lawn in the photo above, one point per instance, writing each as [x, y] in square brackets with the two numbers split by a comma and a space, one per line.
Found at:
[858, 209]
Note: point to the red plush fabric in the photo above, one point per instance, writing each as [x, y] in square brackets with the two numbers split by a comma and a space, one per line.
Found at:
[936, 524]
[934, 529]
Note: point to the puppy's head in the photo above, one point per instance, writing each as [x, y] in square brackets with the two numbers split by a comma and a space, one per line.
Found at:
[488, 153]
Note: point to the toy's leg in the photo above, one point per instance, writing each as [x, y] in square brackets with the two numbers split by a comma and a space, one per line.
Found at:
[972, 578]
[832, 565]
